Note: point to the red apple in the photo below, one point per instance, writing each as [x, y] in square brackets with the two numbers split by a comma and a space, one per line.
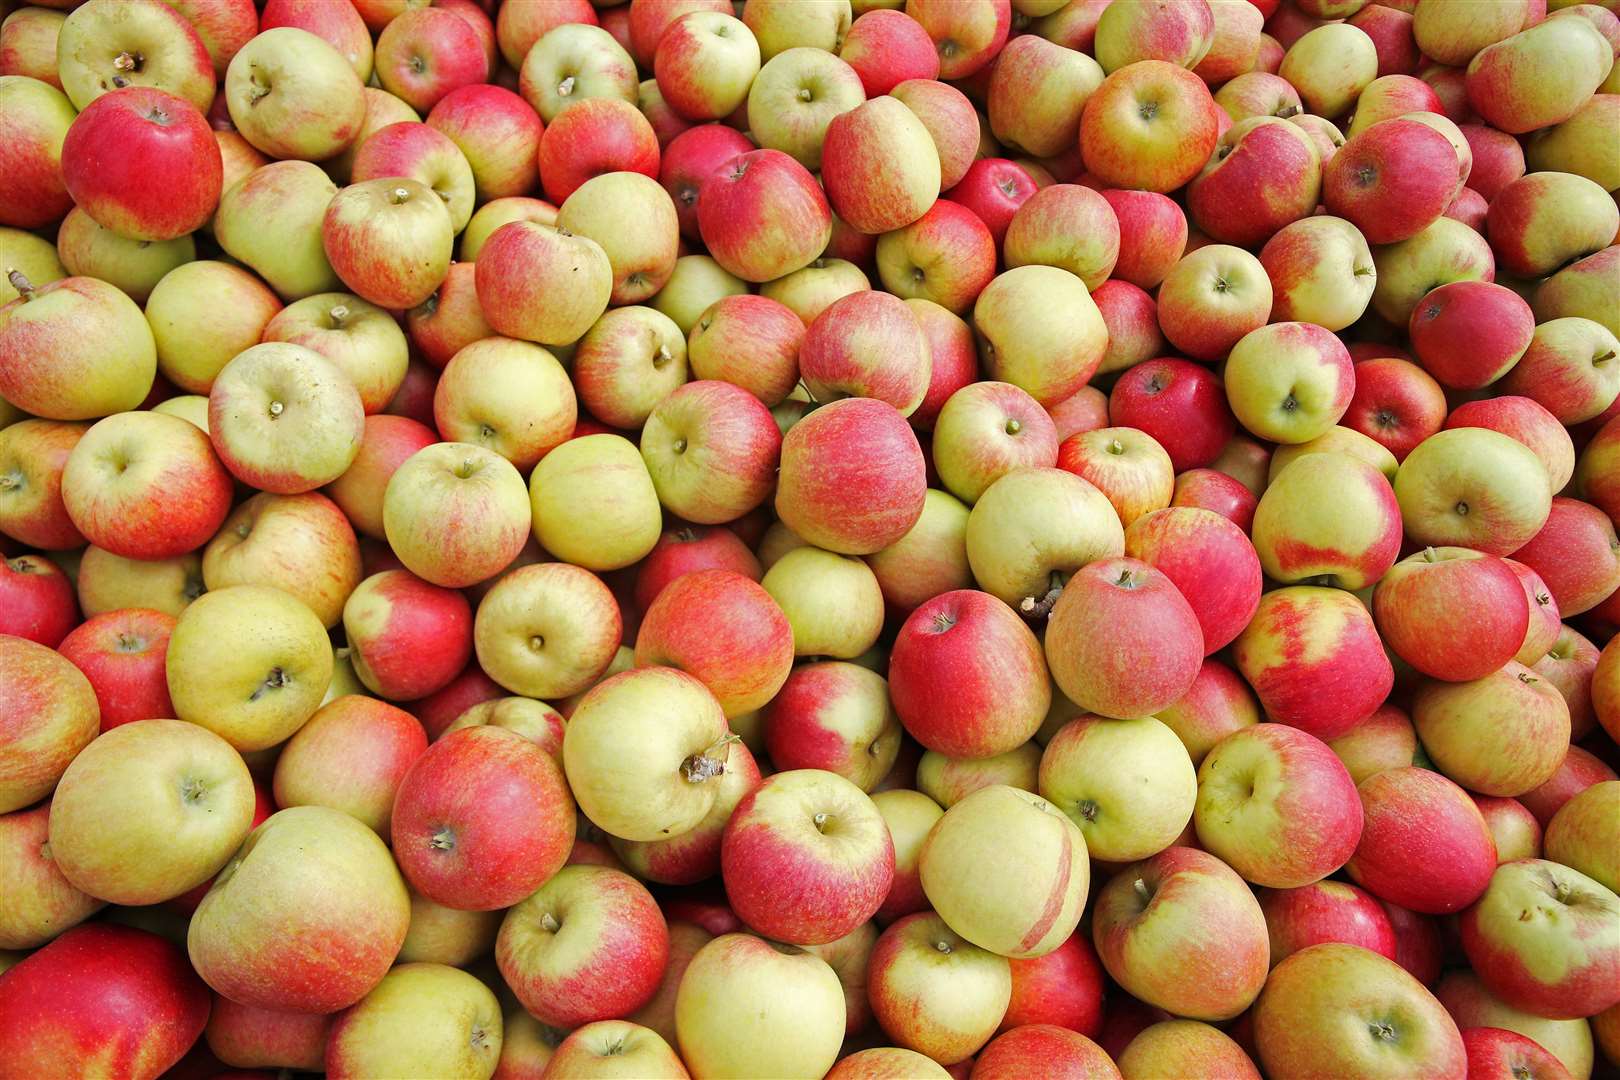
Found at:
[1209, 489]
[869, 345]
[1392, 180]
[834, 716]
[1497, 1052]
[994, 189]
[691, 158]
[1151, 125]
[886, 48]
[1396, 403]
[1180, 404]
[1475, 596]
[1046, 1050]
[852, 478]
[408, 638]
[595, 136]
[1425, 845]
[967, 35]
[723, 628]
[879, 165]
[1152, 235]
[122, 654]
[1576, 554]
[763, 216]
[1211, 563]
[1468, 334]
[424, 54]
[1064, 987]
[1324, 911]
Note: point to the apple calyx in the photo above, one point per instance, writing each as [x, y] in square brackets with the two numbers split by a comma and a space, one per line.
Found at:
[443, 840]
[566, 87]
[707, 765]
[20, 282]
[1382, 1030]
[1014, 426]
[192, 791]
[130, 643]
[276, 680]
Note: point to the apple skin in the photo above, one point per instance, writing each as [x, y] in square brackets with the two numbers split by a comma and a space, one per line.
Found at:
[103, 357]
[1473, 1006]
[1048, 1050]
[1578, 835]
[42, 902]
[934, 992]
[694, 855]
[1181, 35]
[1350, 541]
[711, 449]
[469, 842]
[983, 431]
[750, 341]
[1275, 168]
[445, 491]
[1504, 734]
[1396, 403]
[859, 166]
[143, 163]
[852, 477]
[1063, 987]
[1514, 829]
[1474, 594]
[887, 1063]
[723, 628]
[1446, 470]
[689, 159]
[687, 550]
[1325, 911]
[1564, 973]
[351, 755]
[1212, 298]
[421, 1017]
[1210, 562]
[422, 55]
[408, 638]
[763, 216]
[35, 453]
[247, 1037]
[1107, 804]
[1158, 154]
[834, 716]
[340, 27]
[301, 544]
[250, 935]
[122, 653]
[1184, 1048]
[1152, 235]
[867, 344]
[474, 401]
[967, 36]
[1048, 360]
[1302, 827]
[1289, 382]
[1538, 77]
[590, 944]
[1498, 1052]
[1580, 770]
[1304, 639]
[321, 104]
[991, 672]
[1527, 421]
[101, 997]
[1576, 555]
[1336, 987]
[775, 853]
[1208, 489]
[1412, 815]
[946, 256]
[38, 116]
[548, 258]
[994, 189]
[1467, 334]
[1002, 833]
[39, 600]
[1180, 404]
[51, 708]
[888, 49]
[1036, 94]
[1153, 923]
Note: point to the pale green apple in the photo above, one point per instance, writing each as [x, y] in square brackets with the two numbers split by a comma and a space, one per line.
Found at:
[833, 602]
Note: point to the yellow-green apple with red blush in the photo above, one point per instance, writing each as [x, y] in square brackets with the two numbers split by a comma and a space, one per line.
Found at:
[705, 62]
[308, 874]
[38, 116]
[594, 503]
[986, 430]
[1211, 298]
[389, 239]
[687, 550]
[1451, 33]
[1046, 1048]
[1128, 785]
[1579, 144]
[101, 353]
[285, 419]
[851, 477]
[1475, 1007]
[1399, 1027]
[796, 94]
[797, 1034]
[995, 691]
[1350, 540]
[1037, 92]
[1529, 422]
[1289, 382]
[950, 119]
[833, 603]
[1033, 528]
[1584, 288]
[609, 1046]
[627, 362]
[1235, 47]
[590, 944]
[1562, 965]
[267, 661]
[292, 95]
[1304, 637]
[710, 449]
[382, 110]
[671, 782]
[1330, 66]
[1087, 408]
[750, 341]
[1181, 35]
[1581, 834]
[1154, 923]
[1321, 272]
[148, 811]
[478, 394]
[467, 840]
[1468, 334]
[301, 544]
[935, 992]
[271, 221]
[833, 716]
[1580, 770]
[947, 256]
[1576, 555]
[351, 755]
[1404, 866]
[887, 1063]
[1049, 359]
[525, 261]
[1218, 704]
[642, 259]
[407, 638]
[762, 215]
[1606, 688]
[1571, 367]
[694, 855]
[1506, 1052]
[1263, 175]
[89, 250]
[362, 339]
[809, 290]
[1390, 96]
[1132, 318]
[109, 582]
[1184, 1048]
[456, 514]
[420, 1018]
[202, 314]
[1114, 620]
[949, 780]
[1325, 910]
[1476, 595]
[868, 344]
[806, 833]
[101, 994]
[534, 720]
[880, 132]
[1209, 489]
[449, 319]
[1151, 125]
[144, 486]
[415, 150]
[174, 57]
[1540, 76]
[726, 630]
[1000, 833]
[600, 66]
[1297, 827]
[887, 50]
[967, 36]
[497, 212]
[39, 600]
[1258, 93]
[910, 816]
[497, 132]
[1126, 464]
[1446, 251]
[1514, 830]
[1442, 489]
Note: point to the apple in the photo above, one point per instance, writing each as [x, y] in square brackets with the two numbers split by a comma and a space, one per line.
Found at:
[475, 400]
[1580, 289]
[887, 1063]
[694, 855]
[642, 259]
[607, 1046]
[548, 257]
[1180, 405]
[1577, 836]
[39, 600]
[1539, 76]
[867, 344]
[723, 628]
[572, 63]
[1033, 528]
[1395, 862]
[450, 319]
[1258, 93]
[271, 221]
[1289, 382]
[1473, 1006]
[109, 582]
[690, 549]
[96, 992]
[1350, 541]
[689, 159]
[1396, 403]
[794, 98]
[1150, 125]
[1151, 924]
[102, 354]
[808, 291]
[594, 503]
[950, 119]
[1514, 829]
[967, 36]
[1037, 93]
[1330, 66]
[1108, 805]
[1442, 488]
[1117, 601]
[1181, 35]
[422, 153]
[320, 105]
[1579, 771]
[604, 136]
[389, 239]
[176, 184]
[348, 891]
[1506, 1052]
[122, 653]
[934, 992]
[949, 780]
[43, 903]
[112, 46]
[986, 430]
[1325, 911]
[1132, 318]
[1125, 464]
[1274, 166]
[407, 638]
[301, 544]
[1303, 638]
[497, 212]
[203, 314]
[351, 756]
[184, 803]
[284, 418]
[1476, 594]
[1053, 1050]
[628, 362]
[456, 514]
[342, 28]
[994, 188]
[1212, 298]
[858, 166]
[1336, 987]
[705, 62]
[38, 117]
[946, 256]
[796, 1034]
[1184, 1048]
[1049, 359]
[833, 602]
[887, 49]
[1002, 834]
[909, 815]
[28, 45]
[422, 56]
[1446, 251]
[1469, 333]
[851, 477]
[1570, 368]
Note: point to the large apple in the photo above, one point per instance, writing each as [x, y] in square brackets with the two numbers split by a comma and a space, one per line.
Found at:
[292, 95]
[723, 628]
[456, 514]
[1209, 560]
[934, 992]
[1425, 845]
[419, 1018]
[1503, 734]
[1473, 487]
[102, 355]
[351, 756]
[711, 449]
[1127, 784]
[1474, 594]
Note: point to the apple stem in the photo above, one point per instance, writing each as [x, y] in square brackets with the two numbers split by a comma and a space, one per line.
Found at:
[706, 766]
[1041, 608]
[1142, 891]
[1604, 358]
[1430, 555]
[20, 282]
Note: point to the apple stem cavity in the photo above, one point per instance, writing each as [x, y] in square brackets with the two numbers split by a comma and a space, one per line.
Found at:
[710, 763]
[20, 282]
[273, 681]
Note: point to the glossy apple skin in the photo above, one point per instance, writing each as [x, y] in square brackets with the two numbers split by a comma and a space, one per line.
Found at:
[1425, 845]
[1152, 235]
[1181, 404]
[1476, 596]
[1396, 403]
[1209, 560]
[1162, 154]
[725, 630]
[1050, 1050]
[409, 638]
[852, 478]
[506, 807]
[763, 216]
[1325, 911]
[1576, 554]
[967, 676]
[122, 654]
[100, 999]
[38, 601]
[1496, 1052]
[1209, 489]
[1064, 987]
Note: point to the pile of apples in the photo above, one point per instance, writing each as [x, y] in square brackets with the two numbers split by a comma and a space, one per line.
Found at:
[854, 538]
